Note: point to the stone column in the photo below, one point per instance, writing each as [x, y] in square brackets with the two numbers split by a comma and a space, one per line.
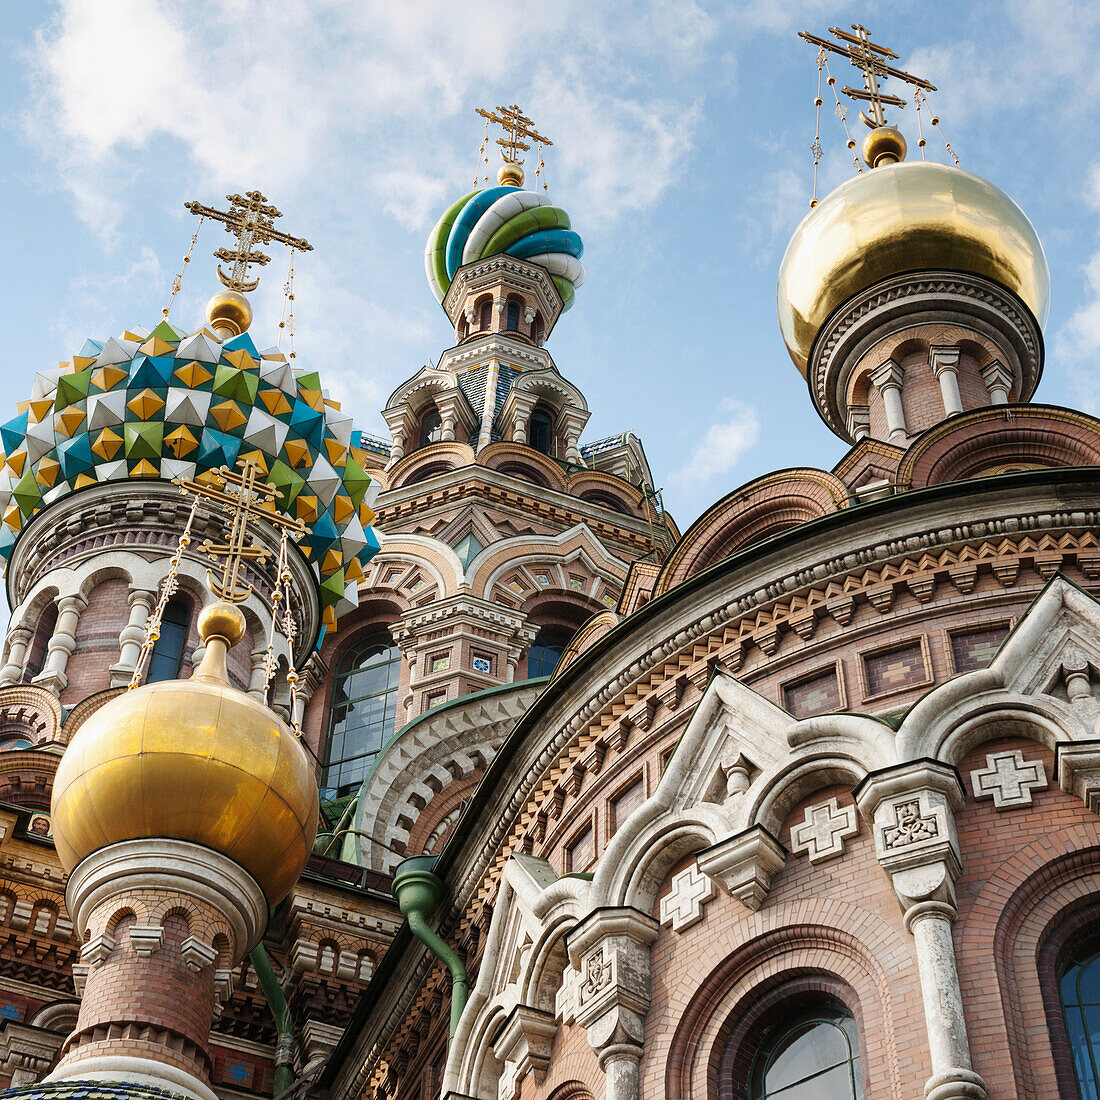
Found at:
[257, 683]
[150, 982]
[609, 949]
[572, 421]
[887, 380]
[910, 809]
[62, 643]
[132, 636]
[19, 638]
[998, 380]
[944, 362]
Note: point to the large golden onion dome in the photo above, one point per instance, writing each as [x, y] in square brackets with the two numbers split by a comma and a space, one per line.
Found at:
[903, 217]
[192, 760]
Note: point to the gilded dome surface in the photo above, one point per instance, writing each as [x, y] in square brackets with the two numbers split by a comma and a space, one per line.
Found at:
[193, 760]
[905, 217]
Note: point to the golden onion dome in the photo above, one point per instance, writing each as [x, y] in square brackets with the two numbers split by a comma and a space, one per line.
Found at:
[914, 216]
[192, 760]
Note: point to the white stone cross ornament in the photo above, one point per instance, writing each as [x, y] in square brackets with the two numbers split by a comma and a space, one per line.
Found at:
[1009, 779]
[691, 889]
[823, 831]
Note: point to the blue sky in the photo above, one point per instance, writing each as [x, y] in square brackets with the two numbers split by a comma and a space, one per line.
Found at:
[682, 135]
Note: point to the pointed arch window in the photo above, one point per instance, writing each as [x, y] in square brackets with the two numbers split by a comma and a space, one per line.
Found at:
[813, 1057]
[167, 655]
[1080, 995]
[363, 712]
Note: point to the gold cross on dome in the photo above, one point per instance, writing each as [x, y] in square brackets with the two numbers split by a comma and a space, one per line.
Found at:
[516, 126]
[249, 219]
[243, 497]
[870, 59]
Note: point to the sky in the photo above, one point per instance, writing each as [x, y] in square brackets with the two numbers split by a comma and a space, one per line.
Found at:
[681, 132]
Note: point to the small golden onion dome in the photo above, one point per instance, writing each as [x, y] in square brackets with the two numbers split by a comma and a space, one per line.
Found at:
[914, 216]
[510, 174]
[884, 145]
[192, 760]
[230, 311]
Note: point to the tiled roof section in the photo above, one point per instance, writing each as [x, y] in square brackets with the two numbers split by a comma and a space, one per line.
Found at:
[90, 1090]
[373, 443]
[473, 386]
[608, 444]
[504, 383]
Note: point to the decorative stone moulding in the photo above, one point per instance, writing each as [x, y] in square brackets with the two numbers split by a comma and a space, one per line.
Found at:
[921, 297]
[745, 864]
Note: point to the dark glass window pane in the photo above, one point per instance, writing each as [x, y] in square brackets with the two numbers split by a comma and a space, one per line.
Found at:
[813, 1057]
[363, 713]
[540, 433]
[486, 314]
[167, 655]
[1080, 993]
[512, 321]
[431, 430]
[546, 650]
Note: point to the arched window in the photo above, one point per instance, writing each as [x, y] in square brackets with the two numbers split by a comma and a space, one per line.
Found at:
[167, 655]
[1080, 992]
[511, 317]
[431, 428]
[485, 316]
[812, 1057]
[540, 432]
[546, 650]
[364, 705]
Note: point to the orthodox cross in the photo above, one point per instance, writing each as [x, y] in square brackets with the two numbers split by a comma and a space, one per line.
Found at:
[869, 58]
[244, 498]
[249, 219]
[516, 126]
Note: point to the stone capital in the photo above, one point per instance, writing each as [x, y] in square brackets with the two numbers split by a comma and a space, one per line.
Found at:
[997, 376]
[1077, 769]
[524, 1044]
[911, 811]
[943, 357]
[745, 864]
[887, 375]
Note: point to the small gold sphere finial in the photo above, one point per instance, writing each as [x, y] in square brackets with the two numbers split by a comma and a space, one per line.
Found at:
[221, 620]
[510, 174]
[229, 313]
[884, 145]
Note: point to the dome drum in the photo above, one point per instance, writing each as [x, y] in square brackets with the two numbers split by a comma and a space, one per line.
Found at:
[491, 274]
[858, 335]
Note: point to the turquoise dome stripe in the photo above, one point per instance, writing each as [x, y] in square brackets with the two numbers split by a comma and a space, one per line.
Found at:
[530, 221]
[466, 221]
[550, 240]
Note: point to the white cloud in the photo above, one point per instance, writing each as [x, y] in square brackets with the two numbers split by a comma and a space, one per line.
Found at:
[722, 446]
[1077, 344]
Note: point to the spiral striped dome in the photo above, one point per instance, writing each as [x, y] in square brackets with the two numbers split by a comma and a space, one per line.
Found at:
[510, 220]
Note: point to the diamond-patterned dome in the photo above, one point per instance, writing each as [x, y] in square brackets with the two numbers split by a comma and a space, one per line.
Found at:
[165, 404]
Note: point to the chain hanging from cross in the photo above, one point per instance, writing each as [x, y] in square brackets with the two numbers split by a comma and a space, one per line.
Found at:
[516, 126]
[249, 219]
[870, 58]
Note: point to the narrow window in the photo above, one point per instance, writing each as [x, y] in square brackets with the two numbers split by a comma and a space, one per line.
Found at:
[431, 429]
[486, 317]
[546, 650]
[167, 655]
[541, 431]
[363, 712]
[512, 317]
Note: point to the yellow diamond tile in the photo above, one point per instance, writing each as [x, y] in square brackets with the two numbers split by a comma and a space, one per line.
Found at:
[107, 444]
[332, 404]
[275, 401]
[337, 453]
[329, 617]
[155, 346]
[342, 509]
[254, 456]
[192, 374]
[297, 454]
[228, 415]
[13, 518]
[17, 460]
[47, 471]
[353, 571]
[83, 481]
[366, 514]
[39, 410]
[108, 377]
[241, 359]
[69, 420]
[146, 404]
[313, 399]
[181, 441]
[22, 406]
[83, 362]
[306, 507]
[133, 336]
[144, 469]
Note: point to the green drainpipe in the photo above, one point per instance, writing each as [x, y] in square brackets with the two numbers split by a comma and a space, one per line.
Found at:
[284, 1025]
[418, 891]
